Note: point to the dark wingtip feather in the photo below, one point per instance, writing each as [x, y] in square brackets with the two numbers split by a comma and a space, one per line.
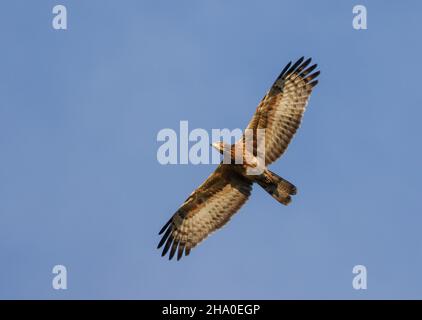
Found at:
[295, 65]
[165, 227]
[284, 70]
[173, 249]
[304, 65]
[164, 238]
[312, 76]
[313, 83]
[167, 246]
[180, 251]
[308, 70]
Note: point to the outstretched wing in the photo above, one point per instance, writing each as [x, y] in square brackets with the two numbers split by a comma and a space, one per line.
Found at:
[281, 110]
[207, 209]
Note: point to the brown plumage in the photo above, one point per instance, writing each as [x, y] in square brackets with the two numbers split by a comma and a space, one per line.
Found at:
[213, 203]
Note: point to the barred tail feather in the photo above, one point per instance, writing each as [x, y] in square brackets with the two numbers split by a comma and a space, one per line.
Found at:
[279, 188]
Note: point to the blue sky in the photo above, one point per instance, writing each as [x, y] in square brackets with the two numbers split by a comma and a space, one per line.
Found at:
[80, 184]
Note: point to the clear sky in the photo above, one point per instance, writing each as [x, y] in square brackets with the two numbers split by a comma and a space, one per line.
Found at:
[80, 184]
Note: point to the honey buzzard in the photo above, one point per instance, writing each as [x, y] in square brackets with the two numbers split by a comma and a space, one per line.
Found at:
[214, 202]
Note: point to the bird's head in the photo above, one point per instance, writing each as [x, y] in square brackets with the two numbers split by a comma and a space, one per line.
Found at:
[221, 146]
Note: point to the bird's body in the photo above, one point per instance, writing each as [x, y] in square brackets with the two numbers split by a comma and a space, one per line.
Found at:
[213, 203]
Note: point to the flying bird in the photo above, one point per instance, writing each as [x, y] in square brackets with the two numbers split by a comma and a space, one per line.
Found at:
[222, 194]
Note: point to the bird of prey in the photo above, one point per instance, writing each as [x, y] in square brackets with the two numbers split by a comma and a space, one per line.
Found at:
[214, 202]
